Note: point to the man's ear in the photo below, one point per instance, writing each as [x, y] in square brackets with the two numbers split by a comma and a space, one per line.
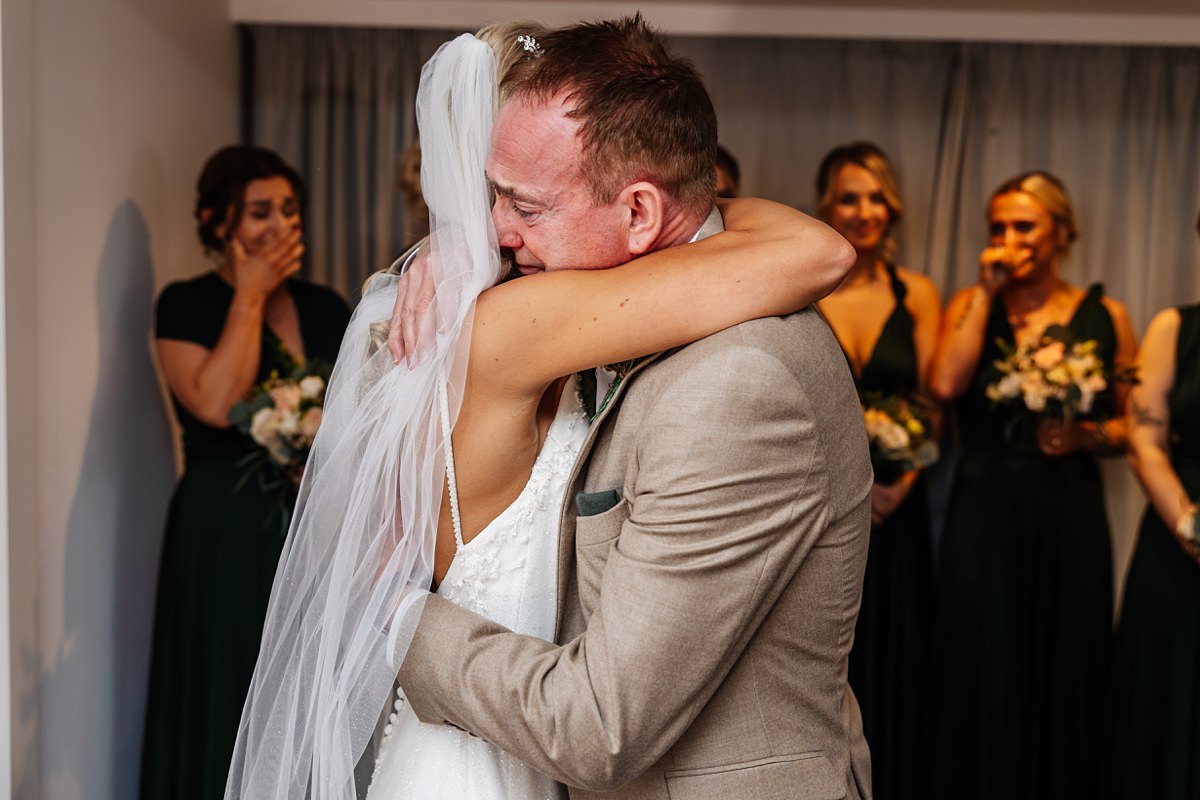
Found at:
[645, 208]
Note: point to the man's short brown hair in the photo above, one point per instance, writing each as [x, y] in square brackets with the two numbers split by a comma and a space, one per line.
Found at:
[643, 114]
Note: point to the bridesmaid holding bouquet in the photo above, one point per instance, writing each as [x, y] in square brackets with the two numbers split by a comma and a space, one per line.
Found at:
[886, 319]
[1025, 577]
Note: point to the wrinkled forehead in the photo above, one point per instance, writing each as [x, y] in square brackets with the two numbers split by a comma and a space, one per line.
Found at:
[533, 137]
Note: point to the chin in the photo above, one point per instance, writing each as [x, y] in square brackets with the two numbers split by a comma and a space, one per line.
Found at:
[869, 246]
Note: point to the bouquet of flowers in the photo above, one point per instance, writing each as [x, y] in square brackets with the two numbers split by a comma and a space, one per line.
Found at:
[1055, 375]
[898, 429]
[282, 415]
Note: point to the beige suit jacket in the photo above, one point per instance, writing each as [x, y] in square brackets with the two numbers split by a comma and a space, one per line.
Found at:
[707, 611]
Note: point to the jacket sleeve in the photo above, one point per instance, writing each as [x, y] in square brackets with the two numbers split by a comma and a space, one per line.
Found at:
[728, 498]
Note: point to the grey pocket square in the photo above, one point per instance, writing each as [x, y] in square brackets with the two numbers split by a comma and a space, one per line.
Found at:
[589, 504]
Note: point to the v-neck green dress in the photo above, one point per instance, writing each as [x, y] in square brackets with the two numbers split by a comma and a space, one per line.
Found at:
[889, 661]
[219, 554]
[1154, 703]
[1022, 633]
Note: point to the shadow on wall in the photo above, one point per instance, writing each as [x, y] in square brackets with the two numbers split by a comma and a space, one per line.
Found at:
[94, 694]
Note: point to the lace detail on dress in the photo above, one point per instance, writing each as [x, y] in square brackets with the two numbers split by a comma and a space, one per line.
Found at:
[472, 578]
[509, 574]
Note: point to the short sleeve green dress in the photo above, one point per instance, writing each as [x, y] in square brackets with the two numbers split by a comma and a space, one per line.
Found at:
[219, 554]
[1022, 632]
[1154, 702]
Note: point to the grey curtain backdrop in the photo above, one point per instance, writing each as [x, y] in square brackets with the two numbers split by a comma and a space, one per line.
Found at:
[1120, 125]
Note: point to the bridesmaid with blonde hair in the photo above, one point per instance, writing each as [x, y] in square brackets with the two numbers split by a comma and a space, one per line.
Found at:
[1025, 576]
[886, 319]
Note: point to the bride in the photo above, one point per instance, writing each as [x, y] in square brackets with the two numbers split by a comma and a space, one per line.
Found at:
[451, 469]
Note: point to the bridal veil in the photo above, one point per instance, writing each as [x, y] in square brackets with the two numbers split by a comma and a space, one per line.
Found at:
[358, 560]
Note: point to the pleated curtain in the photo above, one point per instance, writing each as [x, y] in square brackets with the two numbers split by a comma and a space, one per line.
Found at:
[1120, 125]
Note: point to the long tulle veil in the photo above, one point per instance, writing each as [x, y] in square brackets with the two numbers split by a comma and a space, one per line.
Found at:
[358, 559]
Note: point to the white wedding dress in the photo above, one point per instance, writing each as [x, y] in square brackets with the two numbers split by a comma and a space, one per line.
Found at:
[507, 573]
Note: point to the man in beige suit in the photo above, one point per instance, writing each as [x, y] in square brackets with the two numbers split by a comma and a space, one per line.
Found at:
[714, 534]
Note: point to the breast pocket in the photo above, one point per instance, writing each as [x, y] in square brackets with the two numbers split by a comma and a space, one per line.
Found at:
[603, 527]
[803, 776]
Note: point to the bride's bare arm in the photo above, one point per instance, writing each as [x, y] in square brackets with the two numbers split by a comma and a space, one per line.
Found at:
[770, 260]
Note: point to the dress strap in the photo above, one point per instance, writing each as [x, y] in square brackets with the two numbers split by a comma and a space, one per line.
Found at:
[1188, 341]
[451, 482]
[898, 288]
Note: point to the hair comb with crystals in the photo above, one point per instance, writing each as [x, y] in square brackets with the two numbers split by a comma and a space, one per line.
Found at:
[530, 44]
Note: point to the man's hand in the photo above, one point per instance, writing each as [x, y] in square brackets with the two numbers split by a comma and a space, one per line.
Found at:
[412, 328]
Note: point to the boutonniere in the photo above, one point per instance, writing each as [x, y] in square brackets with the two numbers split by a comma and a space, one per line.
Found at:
[621, 369]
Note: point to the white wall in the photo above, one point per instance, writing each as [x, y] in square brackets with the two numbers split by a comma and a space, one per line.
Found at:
[110, 107]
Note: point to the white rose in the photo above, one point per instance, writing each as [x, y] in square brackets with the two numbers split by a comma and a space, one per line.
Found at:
[309, 423]
[264, 426]
[1010, 385]
[1035, 400]
[286, 397]
[1078, 367]
[311, 387]
[289, 423]
[893, 437]
[1058, 376]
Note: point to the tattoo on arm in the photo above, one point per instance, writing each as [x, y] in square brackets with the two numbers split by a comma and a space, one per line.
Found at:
[1143, 416]
[966, 312]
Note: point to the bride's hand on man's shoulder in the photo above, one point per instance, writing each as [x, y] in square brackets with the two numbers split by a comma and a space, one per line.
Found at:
[412, 326]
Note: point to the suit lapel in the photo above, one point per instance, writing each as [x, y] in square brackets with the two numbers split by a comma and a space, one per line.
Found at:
[567, 514]
[713, 224]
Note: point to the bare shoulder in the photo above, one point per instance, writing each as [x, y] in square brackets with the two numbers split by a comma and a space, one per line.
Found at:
[1164, 327]
[1116, 309]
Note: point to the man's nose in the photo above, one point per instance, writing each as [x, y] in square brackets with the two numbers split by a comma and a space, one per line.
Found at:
[1011, 237]
[506, 234]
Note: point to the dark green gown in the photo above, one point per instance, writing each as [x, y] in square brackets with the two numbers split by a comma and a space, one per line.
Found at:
[889, 660]
[219, 555]
[1021, 638]
[1154, 704]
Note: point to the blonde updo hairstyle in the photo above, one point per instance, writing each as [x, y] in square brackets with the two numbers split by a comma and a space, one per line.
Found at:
[1051, 195]
[868, 156]
[508, 50]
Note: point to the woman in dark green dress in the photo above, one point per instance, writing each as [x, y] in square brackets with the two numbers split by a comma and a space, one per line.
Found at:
[1024, 615]
[217, 336]
[1154, 703]
[886, 318]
